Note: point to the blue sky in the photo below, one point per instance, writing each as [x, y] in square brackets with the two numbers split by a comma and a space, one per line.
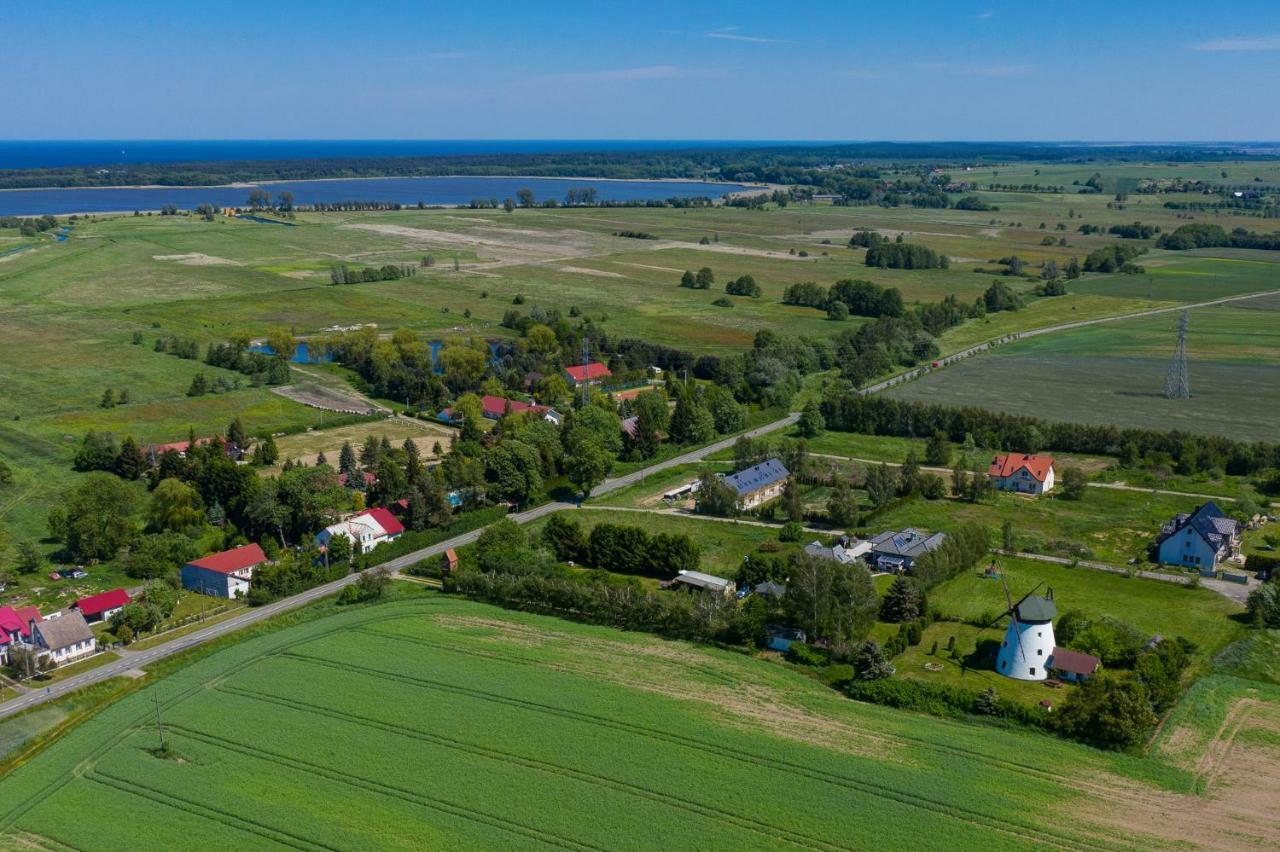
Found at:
[608, 70]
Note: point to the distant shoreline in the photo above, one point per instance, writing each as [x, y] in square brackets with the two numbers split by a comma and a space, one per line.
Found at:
[258, 184]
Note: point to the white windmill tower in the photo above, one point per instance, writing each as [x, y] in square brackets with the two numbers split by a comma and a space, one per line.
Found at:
[1028, 641]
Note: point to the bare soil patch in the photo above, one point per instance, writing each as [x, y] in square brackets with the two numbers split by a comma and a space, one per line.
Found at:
[329, 399]
[195, 258]
[582, 270]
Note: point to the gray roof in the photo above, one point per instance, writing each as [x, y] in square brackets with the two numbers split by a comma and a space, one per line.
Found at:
[703, 581]
[754, 478]
[1035, 608]
[1208, 520]
[910, 543]
[65, 630]
[770, 589]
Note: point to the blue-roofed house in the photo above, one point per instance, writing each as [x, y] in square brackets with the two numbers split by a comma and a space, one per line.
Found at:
[898, 551]
[1200, 540]
[759, 484]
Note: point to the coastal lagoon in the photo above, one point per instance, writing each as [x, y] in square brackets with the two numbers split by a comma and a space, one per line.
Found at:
[410, 191]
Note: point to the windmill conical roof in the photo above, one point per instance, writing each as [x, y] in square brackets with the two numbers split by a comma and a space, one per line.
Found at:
[1036, 608]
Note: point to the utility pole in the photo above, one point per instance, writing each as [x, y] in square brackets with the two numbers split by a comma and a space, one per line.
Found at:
[160, 725]
[1177, 383]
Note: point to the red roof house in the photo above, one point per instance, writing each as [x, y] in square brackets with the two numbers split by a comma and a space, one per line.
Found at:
[1022, 473]
[1073, 665]
[102, 606]
[17, 622]
[449, 561]
[588, 373]
[226, 574]
[389, 522]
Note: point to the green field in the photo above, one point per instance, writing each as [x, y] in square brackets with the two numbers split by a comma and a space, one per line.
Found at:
[438, 723]
[1114, 374]
[69, 310]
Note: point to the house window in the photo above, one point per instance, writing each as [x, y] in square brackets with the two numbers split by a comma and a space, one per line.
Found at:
[1003, 663]
[1033, 671]
[1039, 652]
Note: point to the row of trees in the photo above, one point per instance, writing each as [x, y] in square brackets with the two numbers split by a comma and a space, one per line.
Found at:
[620, 549]
[1189, 453]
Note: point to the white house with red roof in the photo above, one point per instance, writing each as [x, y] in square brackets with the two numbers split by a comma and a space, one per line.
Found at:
[366, 530]
[1022, 473]
[591, 373]
[102, 606]
[15, 628]
[226, 574]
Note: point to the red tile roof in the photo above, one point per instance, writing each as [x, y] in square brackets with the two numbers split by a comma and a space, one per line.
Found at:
[1009, 464]
[17, 621]
[589, 372]
[227, 561]
[369, 478]
[1074, 662]
[496, 406]
[100, 603]
[384, 519]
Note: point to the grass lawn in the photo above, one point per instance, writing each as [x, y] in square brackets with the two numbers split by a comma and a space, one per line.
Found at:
[648, 493]
[64, 672]
[1153, 606]
[1114, 526]
[723, 544]
[305, 446]
[916, 663]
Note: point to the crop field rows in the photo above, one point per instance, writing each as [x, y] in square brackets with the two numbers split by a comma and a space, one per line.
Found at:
[448, 723]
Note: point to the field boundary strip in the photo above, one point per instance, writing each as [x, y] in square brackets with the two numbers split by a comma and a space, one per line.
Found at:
[912, 799]
[774, 832]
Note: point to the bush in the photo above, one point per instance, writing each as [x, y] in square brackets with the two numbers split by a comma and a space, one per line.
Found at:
[791, 531]
[804, 654]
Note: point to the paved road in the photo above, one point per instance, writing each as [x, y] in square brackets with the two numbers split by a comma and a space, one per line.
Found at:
[130, 660]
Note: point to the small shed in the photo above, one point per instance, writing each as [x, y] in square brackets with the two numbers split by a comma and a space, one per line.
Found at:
[1073, 666]
[448, 562]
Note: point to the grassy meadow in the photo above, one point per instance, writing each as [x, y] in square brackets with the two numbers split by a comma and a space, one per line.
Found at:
[70, 311]
[435, 722]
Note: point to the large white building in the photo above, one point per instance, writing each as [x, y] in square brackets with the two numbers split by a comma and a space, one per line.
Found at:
[1026, 653]
[1022, 473]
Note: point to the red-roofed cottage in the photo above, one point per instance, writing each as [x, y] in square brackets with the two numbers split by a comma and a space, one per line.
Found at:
[224, 575]
[102, 606]
[366, 530]
[15, 626]
[591, 373]
[1022, 473]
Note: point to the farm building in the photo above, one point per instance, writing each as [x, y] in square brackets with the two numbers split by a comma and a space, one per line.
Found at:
[497, 407]
[15, 628]
[843, 551]
[898, 551]
[759, 484]
[701, 582]
[1022, 473]
[1073, 665]
[1201, 539]
[592, 373]
[448, 562]
[64, 639]
[224, 575]
[102, 606]
[153, 452]
[366, 530]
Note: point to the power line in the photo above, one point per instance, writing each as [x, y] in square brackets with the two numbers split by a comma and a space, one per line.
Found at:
[1177, 384]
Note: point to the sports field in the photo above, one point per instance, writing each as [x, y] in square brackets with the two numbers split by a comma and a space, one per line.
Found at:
[432, 722]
